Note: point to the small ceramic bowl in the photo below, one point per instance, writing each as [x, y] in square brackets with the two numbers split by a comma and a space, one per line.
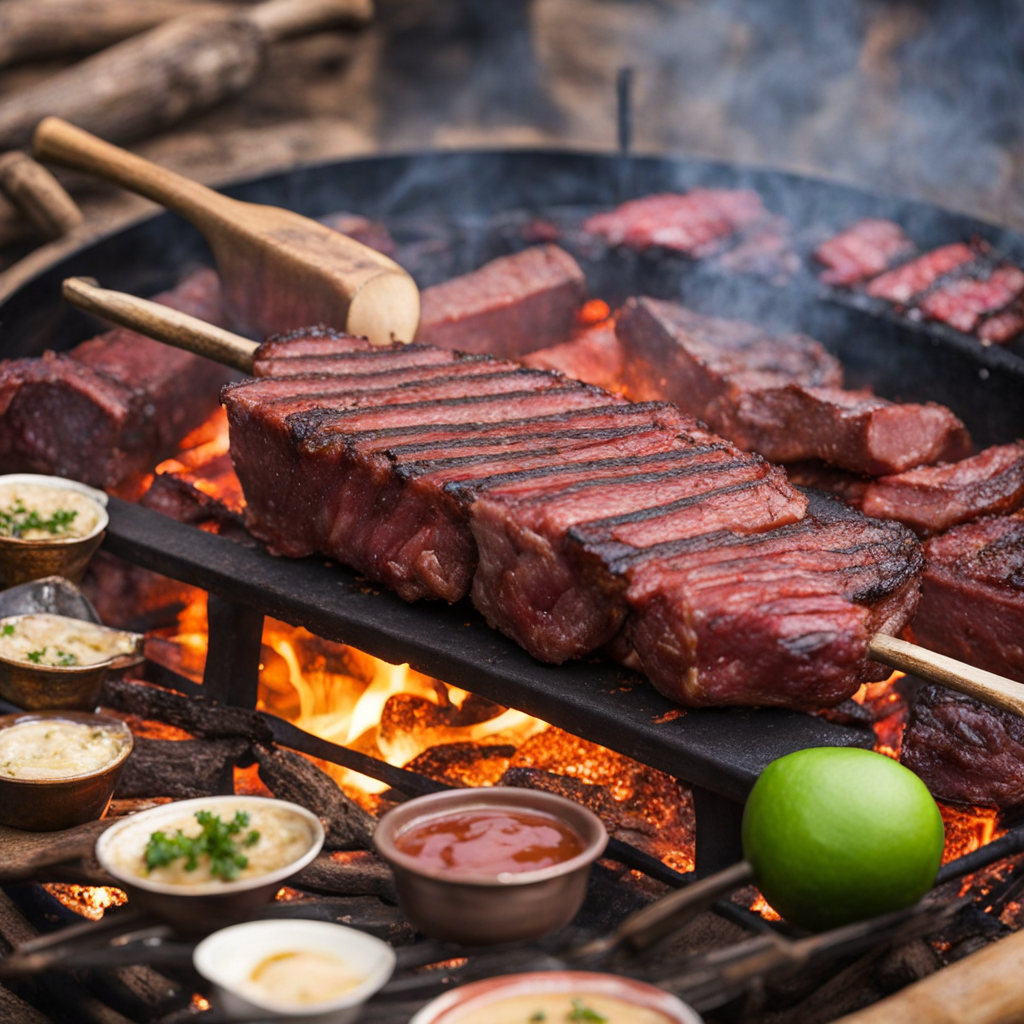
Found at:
[477, 1001]
[482, 910]
[39, 687]
[47, 805]
[23, 560]
[201, 907]
[228, 957]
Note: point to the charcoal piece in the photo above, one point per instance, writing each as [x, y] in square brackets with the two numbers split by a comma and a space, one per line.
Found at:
[367, 913]
[14, 1010]
[290, 776]
[347, 876]
[512, 305]
[463, 764]
[181, 768]
[194, 715]
[36, 854]
[965, 751]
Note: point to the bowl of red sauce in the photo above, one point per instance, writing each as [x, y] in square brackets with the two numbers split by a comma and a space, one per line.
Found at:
[490, 865]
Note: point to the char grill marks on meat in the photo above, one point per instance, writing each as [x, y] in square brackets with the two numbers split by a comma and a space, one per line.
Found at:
[512, 305]
[972, 595]
[108, 410]
[715, 617]
[863, 250]
[964, 751]
[560, 505]
[692, 223]
[777, 395]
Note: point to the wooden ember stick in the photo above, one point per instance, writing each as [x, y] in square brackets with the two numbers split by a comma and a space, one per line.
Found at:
[983, 988]
[153, 80]
[38, 195]
[277, 268]
[290, 776]
[186, 332]
[31, 29]
[181, 768]
[364, 877]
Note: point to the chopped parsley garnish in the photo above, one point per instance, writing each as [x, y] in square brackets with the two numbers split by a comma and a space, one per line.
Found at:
[16, 520]
[583, 1013]
[36, 656]
[8, 630]
[64, 659]
[536, 1018]
[216, 841]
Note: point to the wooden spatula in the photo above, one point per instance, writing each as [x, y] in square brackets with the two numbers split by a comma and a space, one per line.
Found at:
[278, 270]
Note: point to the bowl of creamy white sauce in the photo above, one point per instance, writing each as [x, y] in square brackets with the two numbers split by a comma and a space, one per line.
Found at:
[313, 971]
[55, 661]
[59, 768]
[49, 526]
[557, 997]
[274, 841]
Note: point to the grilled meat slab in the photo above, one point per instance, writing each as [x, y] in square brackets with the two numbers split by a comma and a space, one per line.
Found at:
[863, 250]
[964, 751]
[972, 595]
[778, 395]
[512, 305]
[558, 504]
[594, 357]
[108, 410]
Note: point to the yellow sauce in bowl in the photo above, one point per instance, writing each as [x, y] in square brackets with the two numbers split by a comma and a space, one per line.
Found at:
[37, 512]
[302, 977]
[57, 749]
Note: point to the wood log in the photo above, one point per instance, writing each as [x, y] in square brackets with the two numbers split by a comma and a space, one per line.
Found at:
[181, 768]
[29, 855]
[367, 913]
[16, 1011]
[38, 195]
[983, 988]
[194, 715]
[363, 875]
[33, 29]
[290, 776]
[153, 80]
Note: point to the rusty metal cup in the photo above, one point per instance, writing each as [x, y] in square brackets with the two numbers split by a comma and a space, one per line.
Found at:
[47, 805]
[23, 560]
[485, 910]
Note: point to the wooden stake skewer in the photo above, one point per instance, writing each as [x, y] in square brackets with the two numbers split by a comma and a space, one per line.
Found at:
[193, 335]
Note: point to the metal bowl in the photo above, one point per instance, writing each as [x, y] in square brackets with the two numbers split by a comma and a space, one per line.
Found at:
[489, 909]
[203, 907]
[24, 560]
[39, 687]
[47, 805]
[228, 957]
[476, 997]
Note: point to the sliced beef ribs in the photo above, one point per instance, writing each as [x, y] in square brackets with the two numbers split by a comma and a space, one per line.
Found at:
[863, 250]
[777, 395]
[963, 302]
[108, 410]
[690, 223]
[934, 498]
[972, 595]
[964, 751]
[793, 608]
[594, 356]
[510, 306]
[904, 284]
[1001, 328]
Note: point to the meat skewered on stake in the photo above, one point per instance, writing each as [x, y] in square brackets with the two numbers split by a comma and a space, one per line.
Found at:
[277, 268]
[188, 332]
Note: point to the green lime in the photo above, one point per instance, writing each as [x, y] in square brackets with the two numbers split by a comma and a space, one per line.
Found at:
[836, 835]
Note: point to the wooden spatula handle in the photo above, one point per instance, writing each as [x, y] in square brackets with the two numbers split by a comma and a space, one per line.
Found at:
[161, 322]
[282, 19]
[58, 142]
[38, 195]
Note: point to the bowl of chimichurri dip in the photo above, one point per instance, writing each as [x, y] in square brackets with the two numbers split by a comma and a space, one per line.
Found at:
[59, 768]
[49, 526]
[55, 661]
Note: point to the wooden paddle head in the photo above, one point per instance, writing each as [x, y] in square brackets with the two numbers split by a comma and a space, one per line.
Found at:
[278, 270]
